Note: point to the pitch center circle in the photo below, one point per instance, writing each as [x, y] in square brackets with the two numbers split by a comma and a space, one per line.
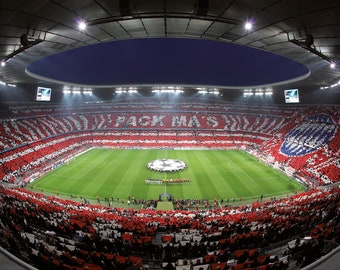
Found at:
[166, 165]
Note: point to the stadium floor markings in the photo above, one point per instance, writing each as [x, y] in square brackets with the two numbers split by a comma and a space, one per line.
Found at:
[215, 162]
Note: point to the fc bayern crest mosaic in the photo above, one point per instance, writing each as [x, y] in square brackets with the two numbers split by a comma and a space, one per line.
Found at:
[308, 136]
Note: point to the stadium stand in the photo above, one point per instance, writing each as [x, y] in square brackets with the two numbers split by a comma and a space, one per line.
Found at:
[65, 234]
[305, 144]
[49, 232]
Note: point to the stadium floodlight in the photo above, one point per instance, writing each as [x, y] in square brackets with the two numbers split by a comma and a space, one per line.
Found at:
[330, 86]
[332, 65]
[82, 25]
[3, 63]
[247, 92]
[67, 91]
[120, 91]
[248, 25]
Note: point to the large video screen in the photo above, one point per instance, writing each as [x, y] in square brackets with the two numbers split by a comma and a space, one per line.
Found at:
[44, 94]
[292, 96]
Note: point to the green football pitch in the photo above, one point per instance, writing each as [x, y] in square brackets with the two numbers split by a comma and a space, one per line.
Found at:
[212, 174]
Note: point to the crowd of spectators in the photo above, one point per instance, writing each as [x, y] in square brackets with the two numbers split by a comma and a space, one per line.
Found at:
[317, 140]
[36, 135]
[62, 234]
[49, 232]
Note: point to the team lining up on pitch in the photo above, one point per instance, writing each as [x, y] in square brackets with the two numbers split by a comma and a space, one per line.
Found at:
[167, 181]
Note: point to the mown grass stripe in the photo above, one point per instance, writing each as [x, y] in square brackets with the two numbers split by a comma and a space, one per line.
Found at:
[121, 173]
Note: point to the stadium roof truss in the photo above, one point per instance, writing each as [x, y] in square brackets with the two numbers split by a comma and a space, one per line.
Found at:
[306, 31]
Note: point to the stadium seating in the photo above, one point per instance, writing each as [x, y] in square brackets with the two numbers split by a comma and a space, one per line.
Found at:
[59, 232]
[271, 133]
[303, 141]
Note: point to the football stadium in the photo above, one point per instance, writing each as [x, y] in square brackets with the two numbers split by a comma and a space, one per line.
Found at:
[169, 135]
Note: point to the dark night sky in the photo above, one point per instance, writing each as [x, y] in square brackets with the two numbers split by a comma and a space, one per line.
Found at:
[168, 61]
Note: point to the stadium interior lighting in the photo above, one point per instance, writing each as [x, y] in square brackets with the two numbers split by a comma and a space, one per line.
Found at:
[204, 91]
[3, 63]
[120, 91]
[67, 91]
[3, 83]
[76, 91]
[11, 85]
[334, 85]
[247, 92]
[331, 86]
[214, 92]
[258, 92]
[165, 91]
[130, 90]
[168, 89]
[82, 25]
[248, 25]
[332, 65]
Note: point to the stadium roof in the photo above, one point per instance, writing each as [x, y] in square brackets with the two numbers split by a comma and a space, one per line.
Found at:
[307, 32]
